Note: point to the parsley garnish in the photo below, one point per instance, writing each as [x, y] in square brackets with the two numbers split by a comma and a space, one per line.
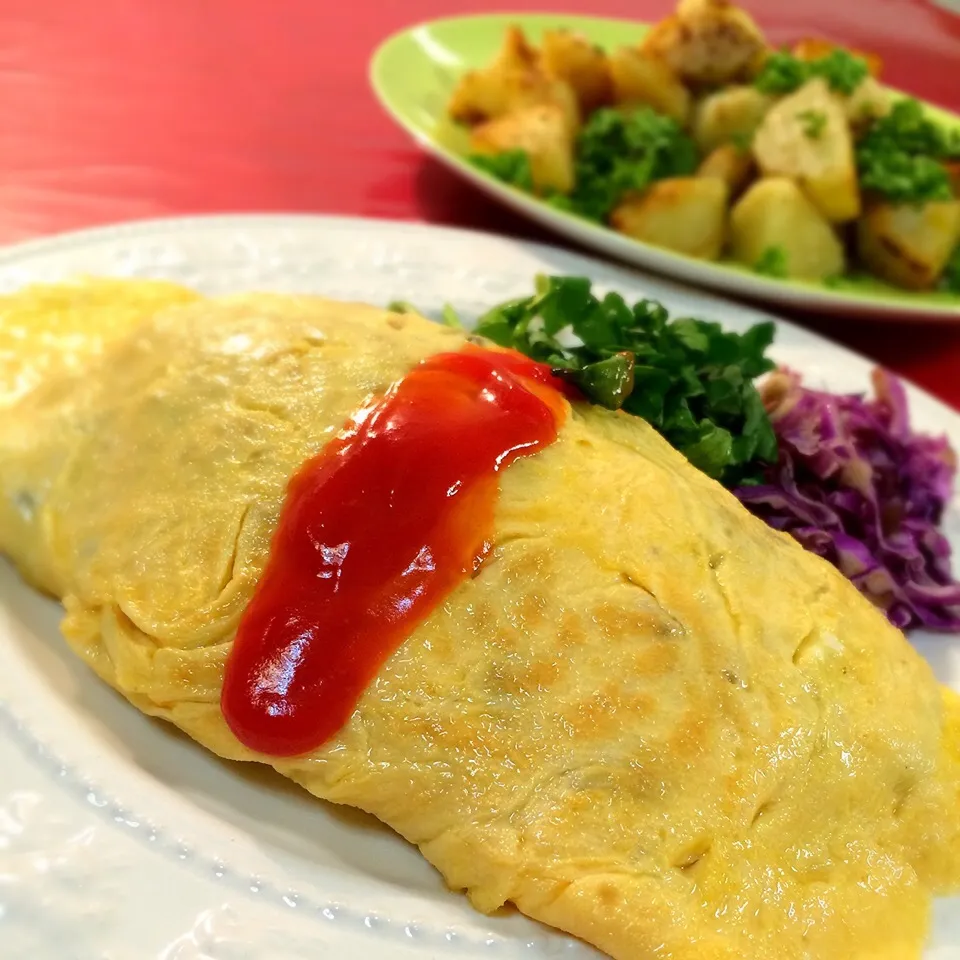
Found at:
[782, 72]
[448, 315]
[843, 70]
[401, 306]
[690, 379]
[900, 156]
[618, 153]
[951, 274]
[907, 128]
[903, 178]
[511, 166]
[814, 122]
[772, 263]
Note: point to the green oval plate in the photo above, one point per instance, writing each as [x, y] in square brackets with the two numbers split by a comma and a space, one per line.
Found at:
[414, 72]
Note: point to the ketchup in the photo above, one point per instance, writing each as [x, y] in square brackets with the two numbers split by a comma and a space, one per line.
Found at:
[375, 531]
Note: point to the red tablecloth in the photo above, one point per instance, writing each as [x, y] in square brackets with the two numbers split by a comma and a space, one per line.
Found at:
[127, 108]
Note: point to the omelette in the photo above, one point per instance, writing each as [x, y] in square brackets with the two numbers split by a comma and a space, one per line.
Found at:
[646, 719]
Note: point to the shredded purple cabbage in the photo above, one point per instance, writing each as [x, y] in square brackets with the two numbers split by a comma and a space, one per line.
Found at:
[855, 485]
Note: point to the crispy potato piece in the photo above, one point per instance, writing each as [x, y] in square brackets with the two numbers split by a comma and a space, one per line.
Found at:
[706, 42]
[909, 244]
[735, 167]
[639, 78]
[485, 95]
[734, 112]
[806, 136]
[869, 101]
[541, 131]
[573, 58]
[516, 51]
[813, 48]
[775, 213]
[686, 214]
[514, 80]
[754, 65]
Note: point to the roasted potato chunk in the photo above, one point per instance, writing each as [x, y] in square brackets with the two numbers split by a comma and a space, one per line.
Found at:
[729, 114]
[806, 136]
[735, 167]
[752, 70]
[814, 48]
[573, 58]
[641, 79]
[686, 214]
[543, 133]
[513, 81]
[516, 50]
[909, 244]
[486, 94]
[706, 42]
[775, 214]
[869, 101]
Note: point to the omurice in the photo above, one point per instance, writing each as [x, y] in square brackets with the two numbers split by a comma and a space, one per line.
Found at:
[419, 576]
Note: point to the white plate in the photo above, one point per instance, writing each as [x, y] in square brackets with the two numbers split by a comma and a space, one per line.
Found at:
[119, 838]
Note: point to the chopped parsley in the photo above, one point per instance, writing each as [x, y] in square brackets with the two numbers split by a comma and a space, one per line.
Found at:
[843, 70]
[901, 155]
[814, 123]
[511, 166]
[907, 128]
[619, 153]
[951, 274]
[773, 263]
[401, 306]
[448, 315]
[903, 178]
[690, 379]
[783, 73]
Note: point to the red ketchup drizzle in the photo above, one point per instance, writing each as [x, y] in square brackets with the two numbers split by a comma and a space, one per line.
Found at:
[375, 531]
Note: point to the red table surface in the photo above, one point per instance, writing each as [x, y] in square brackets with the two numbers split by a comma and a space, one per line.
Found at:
[126, 108]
